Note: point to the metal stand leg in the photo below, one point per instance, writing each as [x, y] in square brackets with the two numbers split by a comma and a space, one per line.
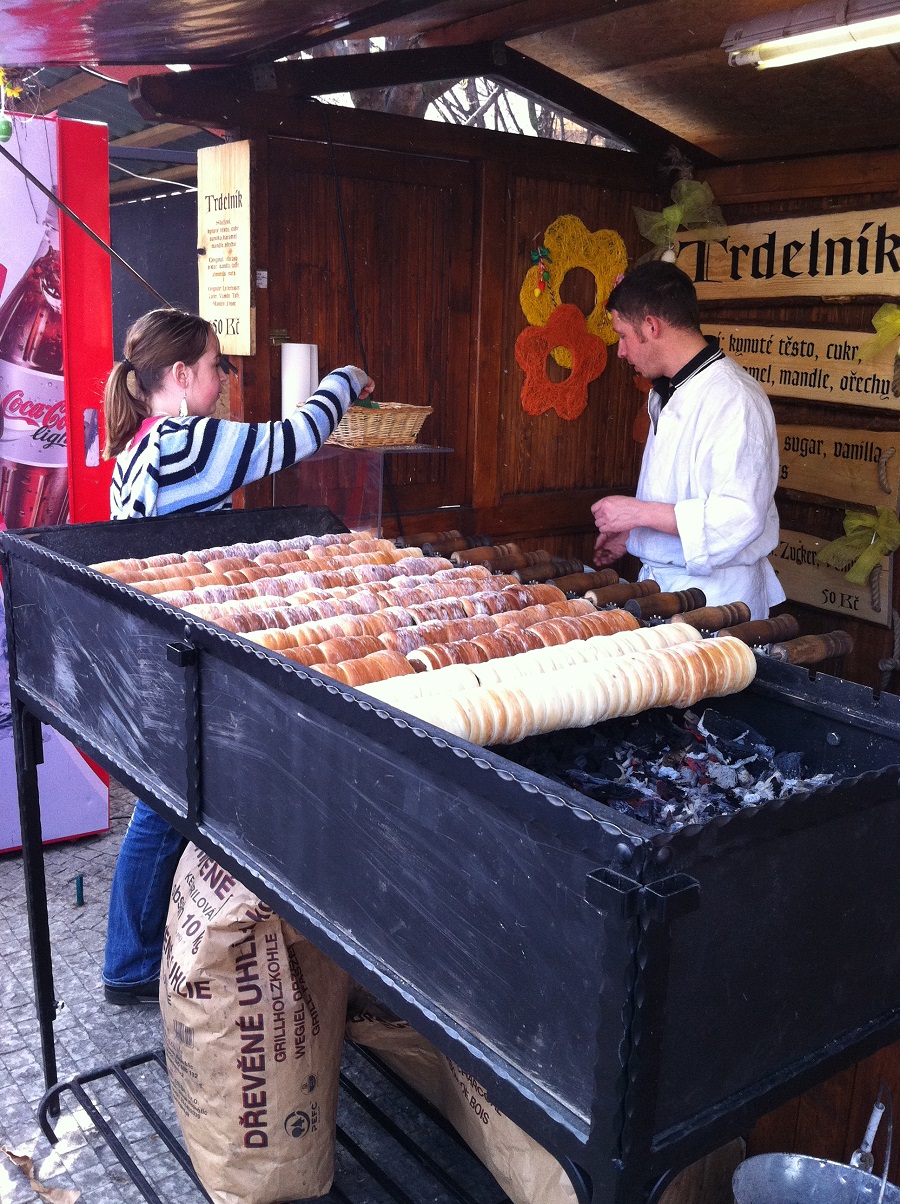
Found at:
[655, 1192]
[580, 1181]
[29, 754]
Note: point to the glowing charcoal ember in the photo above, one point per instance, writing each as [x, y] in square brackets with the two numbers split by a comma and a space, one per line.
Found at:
[670, 770]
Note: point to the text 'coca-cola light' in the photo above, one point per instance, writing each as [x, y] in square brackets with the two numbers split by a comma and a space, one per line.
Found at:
[33, 482]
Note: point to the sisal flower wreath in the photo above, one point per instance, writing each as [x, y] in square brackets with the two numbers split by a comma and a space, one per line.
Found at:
[565, 328]
[570, 244]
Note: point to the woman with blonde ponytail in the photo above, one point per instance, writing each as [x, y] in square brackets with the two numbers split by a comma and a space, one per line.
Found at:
[172, 456]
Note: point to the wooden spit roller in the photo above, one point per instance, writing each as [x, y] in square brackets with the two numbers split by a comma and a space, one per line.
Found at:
[517, 560]
[549, 570]
[421, 538]
[443, 547]
[663, 606]
[581, 695]
[616, 594]
[580, 583]
[714, 618]
[766, 631]
[811, 649]
[469, 676]
[485, 554]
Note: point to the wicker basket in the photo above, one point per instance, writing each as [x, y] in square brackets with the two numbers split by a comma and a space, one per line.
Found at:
[391, 425]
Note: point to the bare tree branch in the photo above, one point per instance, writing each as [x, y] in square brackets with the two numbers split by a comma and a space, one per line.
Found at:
[460, 102]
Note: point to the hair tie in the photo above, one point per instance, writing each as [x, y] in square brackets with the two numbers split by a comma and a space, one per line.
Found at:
[127, 364]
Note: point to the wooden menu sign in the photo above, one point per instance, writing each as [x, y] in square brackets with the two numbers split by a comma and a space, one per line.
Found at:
[812, 364]
[223, 244]
[825, 255]
[839, 463]
[803, 580]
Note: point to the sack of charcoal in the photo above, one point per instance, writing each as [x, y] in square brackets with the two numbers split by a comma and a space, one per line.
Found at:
[253, 1023]
[527, 1172]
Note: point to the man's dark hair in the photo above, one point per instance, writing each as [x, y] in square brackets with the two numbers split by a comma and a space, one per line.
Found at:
[660, 290]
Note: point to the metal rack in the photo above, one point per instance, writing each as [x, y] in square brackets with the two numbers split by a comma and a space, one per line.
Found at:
[377, 1157]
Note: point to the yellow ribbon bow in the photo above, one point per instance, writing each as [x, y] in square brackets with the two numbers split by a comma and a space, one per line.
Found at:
[886, 322]
[868, 537]
[694, 209]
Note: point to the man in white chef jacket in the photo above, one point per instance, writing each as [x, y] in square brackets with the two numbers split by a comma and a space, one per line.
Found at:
[704, 514]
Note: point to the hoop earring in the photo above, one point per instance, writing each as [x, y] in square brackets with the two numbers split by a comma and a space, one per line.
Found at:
[183, 408]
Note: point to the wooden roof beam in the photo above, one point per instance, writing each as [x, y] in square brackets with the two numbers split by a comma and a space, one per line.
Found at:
[390, 68]
[157, 135]
[315, 77]
[520, 20]
[673, 64]
[225, 99]
[77, 85]
[358, 23]
[532, 78]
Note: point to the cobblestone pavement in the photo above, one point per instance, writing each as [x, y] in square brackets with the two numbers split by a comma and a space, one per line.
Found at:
[91, 1034]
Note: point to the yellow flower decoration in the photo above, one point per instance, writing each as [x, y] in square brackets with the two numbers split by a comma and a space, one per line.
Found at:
[12, 91]
[572, 245]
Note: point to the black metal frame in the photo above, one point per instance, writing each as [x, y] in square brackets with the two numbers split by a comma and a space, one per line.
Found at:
[601, 1029]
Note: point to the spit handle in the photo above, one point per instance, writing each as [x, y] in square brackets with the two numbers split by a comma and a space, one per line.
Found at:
[811, 649]
[715, 618]
[663, 606]
[766, 631]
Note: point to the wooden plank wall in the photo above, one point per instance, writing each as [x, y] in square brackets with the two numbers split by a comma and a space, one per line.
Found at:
[439, 236]
[830, 1120]
[409, 237]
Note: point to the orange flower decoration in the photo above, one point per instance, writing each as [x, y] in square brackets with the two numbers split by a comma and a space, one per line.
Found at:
[566, 327]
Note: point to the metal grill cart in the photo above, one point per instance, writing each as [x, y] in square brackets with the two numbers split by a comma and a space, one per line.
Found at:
[631, 998]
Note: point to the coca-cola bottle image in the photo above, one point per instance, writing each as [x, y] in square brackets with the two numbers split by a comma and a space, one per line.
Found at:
[33, 484]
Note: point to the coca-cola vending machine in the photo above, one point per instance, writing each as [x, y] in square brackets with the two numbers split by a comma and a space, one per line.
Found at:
[55, 353]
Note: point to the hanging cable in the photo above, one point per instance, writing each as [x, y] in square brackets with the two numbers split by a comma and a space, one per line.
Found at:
[153, 179]
[51, 196]
[107, 79]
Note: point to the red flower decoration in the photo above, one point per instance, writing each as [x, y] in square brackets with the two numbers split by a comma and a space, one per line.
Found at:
[565, 327]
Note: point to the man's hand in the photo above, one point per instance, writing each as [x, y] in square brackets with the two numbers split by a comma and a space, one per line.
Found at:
[616, 514]
[609, 548]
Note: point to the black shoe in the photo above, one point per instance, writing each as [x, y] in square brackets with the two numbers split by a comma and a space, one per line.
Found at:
[143, 994]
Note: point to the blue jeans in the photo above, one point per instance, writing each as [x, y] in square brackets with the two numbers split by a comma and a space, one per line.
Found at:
[139, 899]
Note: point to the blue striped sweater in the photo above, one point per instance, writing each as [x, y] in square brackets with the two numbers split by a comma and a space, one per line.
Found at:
[188, 465]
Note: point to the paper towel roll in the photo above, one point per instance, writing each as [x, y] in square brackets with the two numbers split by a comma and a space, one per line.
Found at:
[299, 375]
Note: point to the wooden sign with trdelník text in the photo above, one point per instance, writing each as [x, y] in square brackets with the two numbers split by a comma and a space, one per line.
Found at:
[836, 462]
[223, 243]
[813, 365]
[825, 255]
[803, 580]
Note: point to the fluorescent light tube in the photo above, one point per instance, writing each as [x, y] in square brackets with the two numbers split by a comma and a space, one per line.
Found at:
[818, 30]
